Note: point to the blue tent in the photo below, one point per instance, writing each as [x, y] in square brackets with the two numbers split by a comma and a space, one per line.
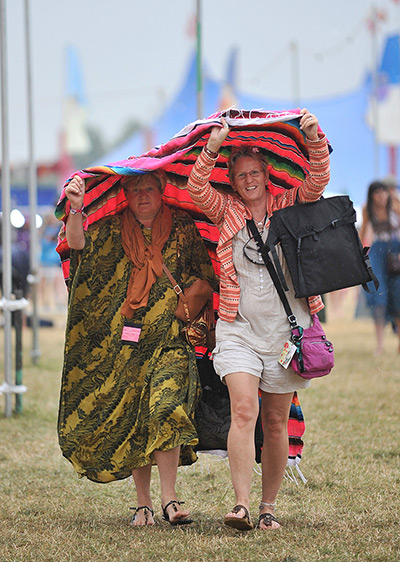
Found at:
[343, 118]
[181, 111]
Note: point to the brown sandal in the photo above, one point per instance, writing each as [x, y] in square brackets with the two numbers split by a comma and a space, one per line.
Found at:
[241, 523]
[267, 519]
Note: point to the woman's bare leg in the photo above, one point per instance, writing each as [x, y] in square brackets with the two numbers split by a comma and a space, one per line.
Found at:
[379, 331]
[243, 393]
[167, 463]
[275, 410]
[142, 478]
[379, 322]
[397, 322]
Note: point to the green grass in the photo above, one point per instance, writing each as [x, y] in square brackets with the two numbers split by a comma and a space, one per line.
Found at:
[348, 510]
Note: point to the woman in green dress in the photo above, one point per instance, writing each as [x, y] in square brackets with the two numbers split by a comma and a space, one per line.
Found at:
[130, 383]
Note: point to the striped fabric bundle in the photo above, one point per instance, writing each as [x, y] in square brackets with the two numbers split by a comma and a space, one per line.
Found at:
[277, 133]
[296, 428]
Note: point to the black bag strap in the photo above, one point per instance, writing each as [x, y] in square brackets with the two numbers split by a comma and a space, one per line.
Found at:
[375, 281]
[271, 269]
[277, 264]
[270, 246]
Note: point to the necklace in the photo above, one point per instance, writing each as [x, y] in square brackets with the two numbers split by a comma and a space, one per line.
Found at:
[261, 224]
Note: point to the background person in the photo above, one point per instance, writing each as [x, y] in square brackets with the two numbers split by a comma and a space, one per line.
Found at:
[381, 228]
[51, 287]
[391, 182]
[252, 326]
[130, 383]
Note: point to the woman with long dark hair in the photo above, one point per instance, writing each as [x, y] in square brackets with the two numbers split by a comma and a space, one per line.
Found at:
[381, 227]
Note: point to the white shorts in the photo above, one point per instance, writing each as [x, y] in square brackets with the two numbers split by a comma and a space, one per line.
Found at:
[234, 357]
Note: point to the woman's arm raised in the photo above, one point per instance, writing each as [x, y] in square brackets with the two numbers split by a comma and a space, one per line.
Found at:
[75, 192]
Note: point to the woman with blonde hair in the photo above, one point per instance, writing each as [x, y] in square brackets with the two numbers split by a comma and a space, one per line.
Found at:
[252, 327]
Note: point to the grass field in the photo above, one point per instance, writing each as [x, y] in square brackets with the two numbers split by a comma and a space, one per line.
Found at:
[348, 510]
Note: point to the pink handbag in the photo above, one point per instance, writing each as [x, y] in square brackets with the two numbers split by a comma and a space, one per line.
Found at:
[314, 356]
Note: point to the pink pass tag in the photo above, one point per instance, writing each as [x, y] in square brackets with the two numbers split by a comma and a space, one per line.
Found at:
[131, 333]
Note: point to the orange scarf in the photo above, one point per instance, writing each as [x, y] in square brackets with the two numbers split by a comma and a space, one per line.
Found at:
[146, 258]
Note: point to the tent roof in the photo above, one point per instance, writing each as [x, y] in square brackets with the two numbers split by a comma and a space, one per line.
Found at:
[343, 117]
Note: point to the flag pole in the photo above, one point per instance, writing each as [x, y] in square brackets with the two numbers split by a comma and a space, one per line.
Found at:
[200, 110]
[375, 85]
[32, 184]
[294, 49]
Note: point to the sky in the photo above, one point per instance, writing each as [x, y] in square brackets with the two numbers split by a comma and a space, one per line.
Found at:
[134, 55]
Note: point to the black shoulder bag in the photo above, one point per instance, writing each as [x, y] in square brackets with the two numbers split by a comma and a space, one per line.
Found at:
[321, 246]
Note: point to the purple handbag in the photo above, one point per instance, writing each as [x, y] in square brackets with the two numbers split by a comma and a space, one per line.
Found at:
[314, 356]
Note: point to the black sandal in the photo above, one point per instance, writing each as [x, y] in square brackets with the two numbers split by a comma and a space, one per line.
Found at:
[146, 511]
[267, 519]
[177, 521]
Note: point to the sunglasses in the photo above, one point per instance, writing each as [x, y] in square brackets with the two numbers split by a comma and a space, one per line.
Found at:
[252, 253]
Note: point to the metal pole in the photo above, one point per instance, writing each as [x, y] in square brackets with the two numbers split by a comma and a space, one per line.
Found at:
[18, 351]
[375, 85]
[6, 223]
[294, 48]
[200, 110]
[32, 183]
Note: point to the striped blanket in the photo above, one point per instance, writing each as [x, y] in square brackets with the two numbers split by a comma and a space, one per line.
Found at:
[277, 133]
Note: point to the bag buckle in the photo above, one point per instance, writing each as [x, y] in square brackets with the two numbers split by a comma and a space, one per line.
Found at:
[177, 289]
[296, 338]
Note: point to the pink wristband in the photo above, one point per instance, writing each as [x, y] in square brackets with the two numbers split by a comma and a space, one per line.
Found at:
[77, 211]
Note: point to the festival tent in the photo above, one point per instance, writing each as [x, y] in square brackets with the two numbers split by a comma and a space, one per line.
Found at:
[180, 111]
[344, 118]
[384, 108]
[365, 143]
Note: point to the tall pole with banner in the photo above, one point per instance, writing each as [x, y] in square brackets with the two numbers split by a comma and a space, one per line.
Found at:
[200, 109]
[294, 50]
[32, 184]
[375, 86]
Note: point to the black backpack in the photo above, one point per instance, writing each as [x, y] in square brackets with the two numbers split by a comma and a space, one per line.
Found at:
[321, 246]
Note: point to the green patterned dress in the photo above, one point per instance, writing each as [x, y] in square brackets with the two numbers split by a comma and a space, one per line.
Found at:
[120, 402]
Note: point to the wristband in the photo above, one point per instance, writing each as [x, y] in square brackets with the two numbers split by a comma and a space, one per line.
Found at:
[77, 211]
[210, 153]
